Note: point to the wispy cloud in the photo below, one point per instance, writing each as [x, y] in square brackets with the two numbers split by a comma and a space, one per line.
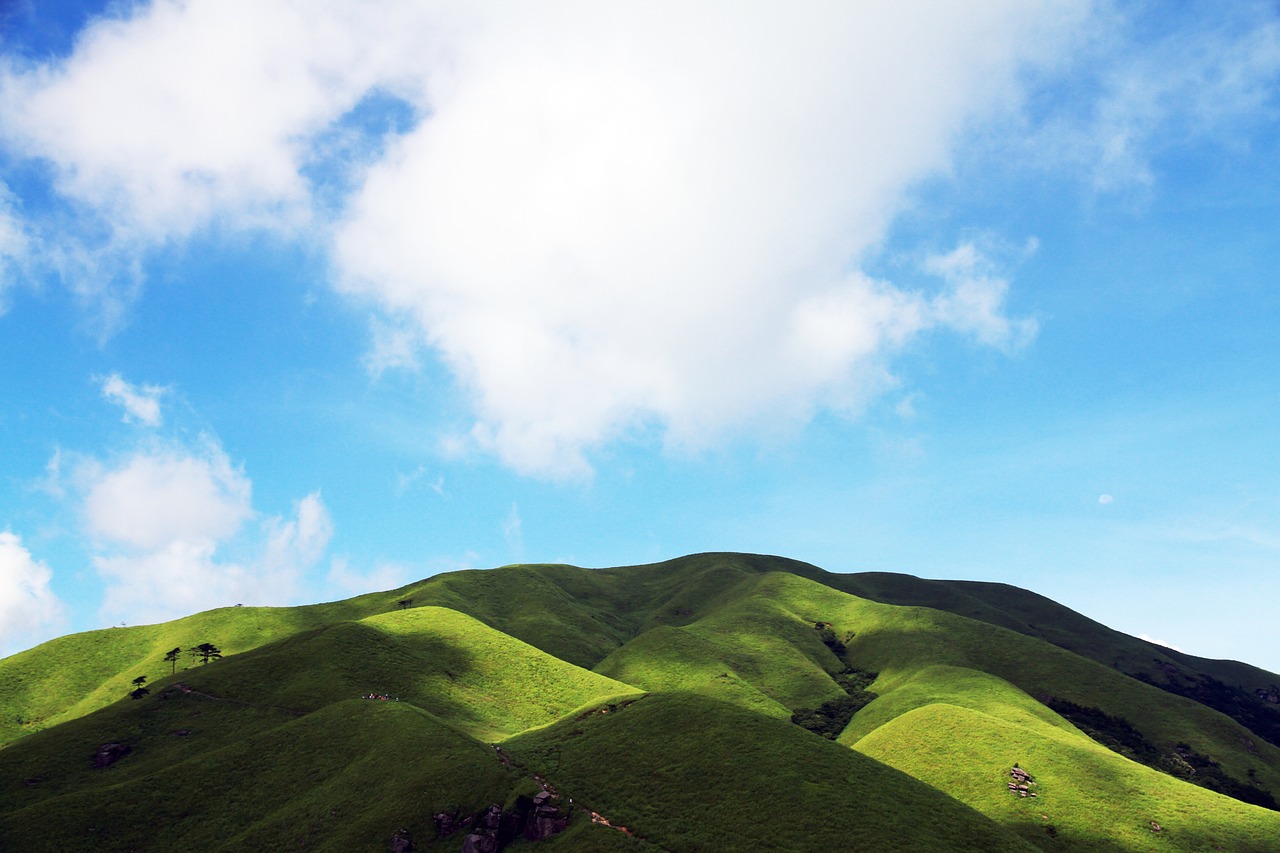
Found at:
[15, 245]
[343, 581]
[416, 478]
[1193, 77]
[513, 532]
[140, 402]
[974, 300]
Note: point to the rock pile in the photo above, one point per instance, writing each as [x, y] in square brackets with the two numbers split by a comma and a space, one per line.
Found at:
[1021, 782]
[486, 835]
[532, 818]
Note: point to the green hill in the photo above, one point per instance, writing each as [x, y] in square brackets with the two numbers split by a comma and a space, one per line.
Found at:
[671, 699]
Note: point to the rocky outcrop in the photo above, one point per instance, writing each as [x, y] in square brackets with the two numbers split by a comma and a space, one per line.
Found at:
[545, 819]
[110, 753]
[531, 818]
[485, 834]
[448, 824]
[401, 842]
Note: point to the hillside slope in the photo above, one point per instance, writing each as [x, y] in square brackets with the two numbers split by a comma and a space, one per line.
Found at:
[661, 697]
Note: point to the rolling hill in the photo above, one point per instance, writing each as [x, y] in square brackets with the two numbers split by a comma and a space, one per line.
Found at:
[713, 702]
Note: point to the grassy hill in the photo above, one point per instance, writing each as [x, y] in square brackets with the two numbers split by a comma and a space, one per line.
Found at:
[660, 698]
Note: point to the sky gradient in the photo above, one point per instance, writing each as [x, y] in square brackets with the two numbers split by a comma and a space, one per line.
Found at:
[303, 300]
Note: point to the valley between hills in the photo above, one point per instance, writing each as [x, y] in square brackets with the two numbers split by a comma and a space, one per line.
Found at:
[715, 702]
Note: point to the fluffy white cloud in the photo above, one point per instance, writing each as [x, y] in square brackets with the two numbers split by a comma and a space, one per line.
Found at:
[140, 403]
[609, 216]
[172, 533]
[603, 218]
[180, 112]
[622, 216]
[165, 494]
[29, 610]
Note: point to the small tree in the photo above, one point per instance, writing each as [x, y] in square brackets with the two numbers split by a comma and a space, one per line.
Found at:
[207, 652]
[139, 691]
[404, 602]
[172, 657]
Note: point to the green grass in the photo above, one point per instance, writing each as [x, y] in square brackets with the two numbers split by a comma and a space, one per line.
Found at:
[479, 680]
[726, 645]
[79, 673]
[900, 641]
[748, 650]
[336, 780]
[1091, 798]
[696, 774]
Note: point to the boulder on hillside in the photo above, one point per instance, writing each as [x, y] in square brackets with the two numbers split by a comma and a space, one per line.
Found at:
[110, 753]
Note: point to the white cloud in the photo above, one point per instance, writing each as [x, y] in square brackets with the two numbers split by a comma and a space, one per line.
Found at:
[974, 302]
[29, 610]
[175, 116]
[301, 541]
[603, 218]
[165, 494]
[180, 112]
[140, 403]
[1160, 643]
[611, 221]
[1105, 499]
[172, 535]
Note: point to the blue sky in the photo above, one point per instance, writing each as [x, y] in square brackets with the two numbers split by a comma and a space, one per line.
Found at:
[300, 302]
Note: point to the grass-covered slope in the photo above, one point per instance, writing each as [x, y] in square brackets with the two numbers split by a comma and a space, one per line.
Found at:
[577, 615]
[73, 675]
[1088, 798]
[1246, 693]
[343, 778]
[696, 774]
[728, 647]
[750, 650]
[968, 679]
[277, 744]
[472, 676]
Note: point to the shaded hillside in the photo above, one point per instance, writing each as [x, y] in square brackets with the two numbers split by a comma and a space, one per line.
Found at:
[1248, 694]
[698, 774]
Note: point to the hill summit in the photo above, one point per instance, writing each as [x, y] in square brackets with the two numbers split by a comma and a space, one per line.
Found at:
[716, 702]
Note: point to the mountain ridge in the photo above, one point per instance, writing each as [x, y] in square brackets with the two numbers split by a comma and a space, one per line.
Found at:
[525, 656]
